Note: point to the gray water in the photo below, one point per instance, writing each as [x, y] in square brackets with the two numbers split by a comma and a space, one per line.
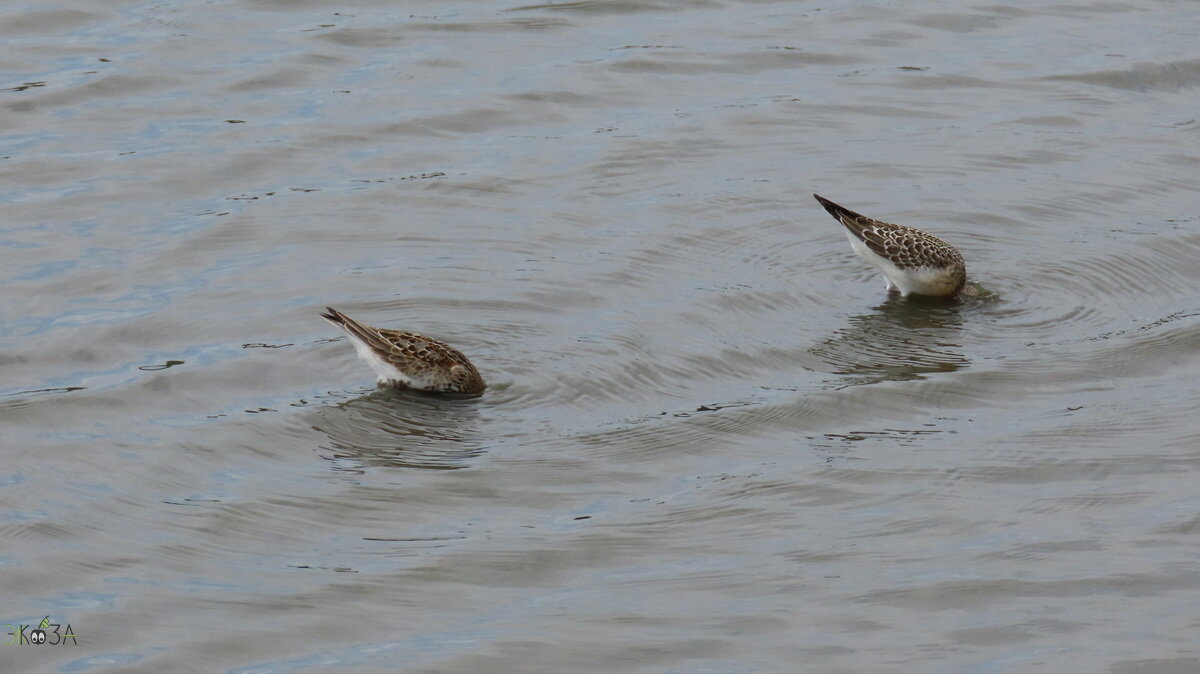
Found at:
[712, 443]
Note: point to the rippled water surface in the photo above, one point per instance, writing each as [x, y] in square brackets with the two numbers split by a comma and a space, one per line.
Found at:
[711, 442]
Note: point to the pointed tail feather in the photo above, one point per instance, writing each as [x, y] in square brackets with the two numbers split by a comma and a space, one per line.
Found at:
[334, 316]
[841, 213]
[352, 327]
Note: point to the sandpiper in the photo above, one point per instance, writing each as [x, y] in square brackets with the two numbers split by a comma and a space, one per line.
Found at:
[912, 261]
[409, 360]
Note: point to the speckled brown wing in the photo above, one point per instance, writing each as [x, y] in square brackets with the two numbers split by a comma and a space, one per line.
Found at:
[430, 358]
[905, 247]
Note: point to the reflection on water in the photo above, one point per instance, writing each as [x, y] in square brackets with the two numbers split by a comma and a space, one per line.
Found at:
[902, 339]
[408, 429]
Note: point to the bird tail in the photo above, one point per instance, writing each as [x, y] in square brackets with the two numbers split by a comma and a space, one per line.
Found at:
[841, 213]
[334, 316]
[351, 326]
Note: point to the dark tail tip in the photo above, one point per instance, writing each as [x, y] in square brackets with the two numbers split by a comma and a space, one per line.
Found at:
[840, 213]
[833, 208]
[333, 315]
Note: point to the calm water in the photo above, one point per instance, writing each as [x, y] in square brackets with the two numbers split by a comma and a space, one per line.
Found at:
[711, 443]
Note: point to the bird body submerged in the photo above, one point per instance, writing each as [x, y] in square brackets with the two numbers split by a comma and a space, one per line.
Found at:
[409, 360]
[913, 262]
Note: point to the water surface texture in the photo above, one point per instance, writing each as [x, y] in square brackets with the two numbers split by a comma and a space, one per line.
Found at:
[711, 442]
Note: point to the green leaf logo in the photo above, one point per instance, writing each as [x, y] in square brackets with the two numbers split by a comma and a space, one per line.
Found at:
[45, 623]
